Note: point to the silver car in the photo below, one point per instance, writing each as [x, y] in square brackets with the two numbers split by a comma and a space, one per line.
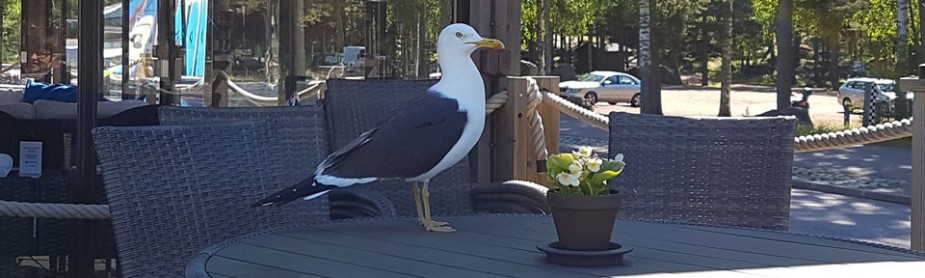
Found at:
[852, 92]
[607, 86]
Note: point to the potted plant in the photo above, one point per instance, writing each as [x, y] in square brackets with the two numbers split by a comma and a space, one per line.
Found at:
[583, 207]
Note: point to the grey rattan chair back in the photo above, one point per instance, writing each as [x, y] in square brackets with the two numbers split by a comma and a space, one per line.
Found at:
[174, 190]
[726, 171]
[299, 130]
[355, 106]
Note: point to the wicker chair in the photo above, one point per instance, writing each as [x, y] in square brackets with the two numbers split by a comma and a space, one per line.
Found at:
[353, 107]
[725, 171]
[301, 132]
[174, 190]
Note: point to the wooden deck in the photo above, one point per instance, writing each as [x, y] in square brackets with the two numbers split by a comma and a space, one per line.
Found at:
[488, 246]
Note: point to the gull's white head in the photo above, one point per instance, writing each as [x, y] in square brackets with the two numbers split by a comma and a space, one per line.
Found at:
[460, 39]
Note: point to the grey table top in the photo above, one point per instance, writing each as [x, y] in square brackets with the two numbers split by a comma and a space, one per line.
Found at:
[505, 245]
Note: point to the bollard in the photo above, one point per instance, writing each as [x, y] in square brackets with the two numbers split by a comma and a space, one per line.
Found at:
[869, 113]
[847, 108]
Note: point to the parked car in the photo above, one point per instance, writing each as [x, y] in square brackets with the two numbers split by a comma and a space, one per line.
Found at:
[608, 86]
[852, 92]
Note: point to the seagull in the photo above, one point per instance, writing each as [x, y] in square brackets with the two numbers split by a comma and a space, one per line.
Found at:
[420, 140]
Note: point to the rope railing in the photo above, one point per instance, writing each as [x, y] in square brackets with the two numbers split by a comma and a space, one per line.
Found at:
[864, 135]
[833, 140]
[253, 98]
[312, 90]
[534, 98]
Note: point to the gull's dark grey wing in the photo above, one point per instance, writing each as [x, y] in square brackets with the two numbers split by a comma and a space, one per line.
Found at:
[406, 145]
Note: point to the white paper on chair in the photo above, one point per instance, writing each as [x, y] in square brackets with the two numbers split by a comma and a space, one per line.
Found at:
[30, 159]
[6, 164]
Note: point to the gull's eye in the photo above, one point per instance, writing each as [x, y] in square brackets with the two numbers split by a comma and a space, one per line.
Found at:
[459, 35]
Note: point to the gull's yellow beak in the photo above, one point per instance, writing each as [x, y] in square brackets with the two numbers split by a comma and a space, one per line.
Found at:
[490, 43]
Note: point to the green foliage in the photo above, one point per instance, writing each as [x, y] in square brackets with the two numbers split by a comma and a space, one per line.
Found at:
[567, 17]
[582, 172]
[11, 31]
[819, 128]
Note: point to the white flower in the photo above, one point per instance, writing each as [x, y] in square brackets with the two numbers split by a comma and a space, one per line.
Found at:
[594, 164]
[619, 158]
[568, 179]
[575, 168]
[583, 151]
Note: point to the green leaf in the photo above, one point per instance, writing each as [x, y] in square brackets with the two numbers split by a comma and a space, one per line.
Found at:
[600, 177]
[559, 162]
[612, 166]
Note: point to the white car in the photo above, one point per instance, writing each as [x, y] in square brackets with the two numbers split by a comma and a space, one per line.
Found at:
[608, 86]
[852, 92]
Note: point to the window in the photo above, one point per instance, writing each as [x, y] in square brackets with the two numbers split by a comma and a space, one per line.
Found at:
[856, 85]
[611, 80]
[624, 80]
[593, 78]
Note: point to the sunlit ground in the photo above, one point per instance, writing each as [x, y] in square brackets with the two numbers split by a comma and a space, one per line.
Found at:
[833, 215]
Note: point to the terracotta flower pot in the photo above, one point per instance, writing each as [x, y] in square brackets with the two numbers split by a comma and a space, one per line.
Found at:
[584, 223]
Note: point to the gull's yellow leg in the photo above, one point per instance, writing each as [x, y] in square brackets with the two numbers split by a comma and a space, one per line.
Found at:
[417, 201]
[430, 224]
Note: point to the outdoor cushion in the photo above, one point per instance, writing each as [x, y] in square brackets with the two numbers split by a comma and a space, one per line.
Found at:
[38, 90]
[10, 96]
[18, 110]
[49, 109]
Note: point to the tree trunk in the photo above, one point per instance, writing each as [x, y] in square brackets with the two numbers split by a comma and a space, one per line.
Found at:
[645, 54]
[421, 61]
[922, 30]
[446, 13]
[649, 68]
[704, 51]
[542, 13]
[902, 36]
[547, 45]
[339, 28]
[299, 67]
[771, 55]
[834, 50]
[786, 53]
[726, 38]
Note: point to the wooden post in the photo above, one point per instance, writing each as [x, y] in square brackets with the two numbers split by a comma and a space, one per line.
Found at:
[917, 86]
[550, 124]
[918, 168]
[510, 134]
[500, 20]
[217, 96]
[869, 113]
[514, 156]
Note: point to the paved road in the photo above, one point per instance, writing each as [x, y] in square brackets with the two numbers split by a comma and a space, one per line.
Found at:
[818, 213]
[814, 212]
[884, 170]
